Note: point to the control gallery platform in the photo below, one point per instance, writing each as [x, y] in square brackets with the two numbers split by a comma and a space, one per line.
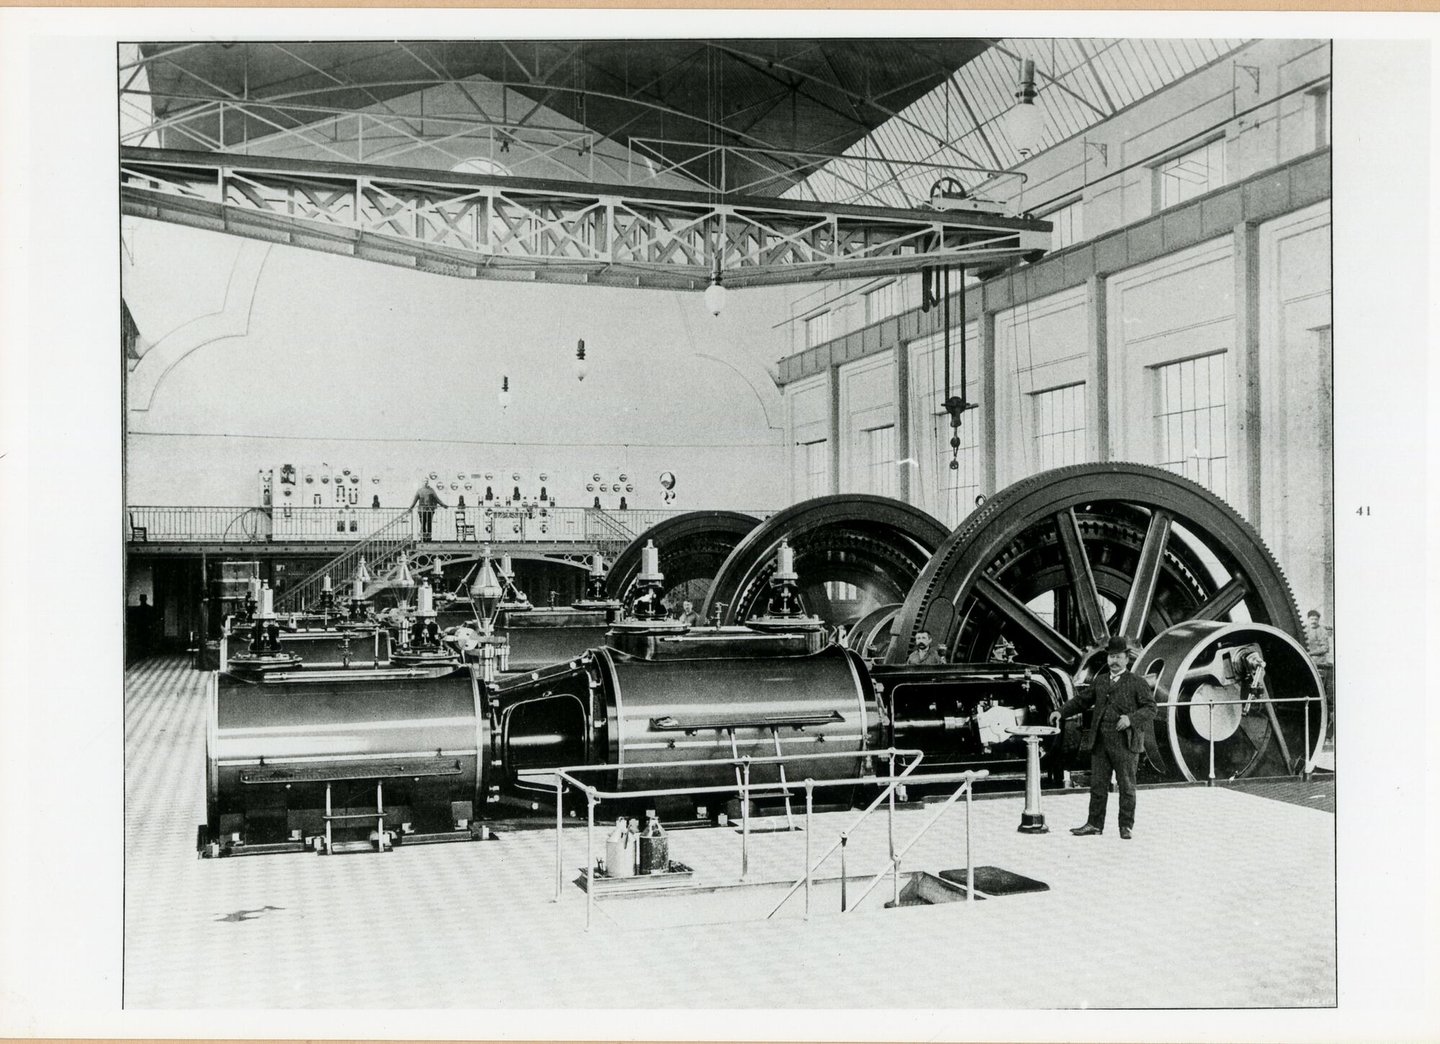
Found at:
[1224, 898]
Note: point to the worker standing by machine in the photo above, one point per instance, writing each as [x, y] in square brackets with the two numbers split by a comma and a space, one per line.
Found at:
[1317, 644]
[1124, 710]
[426, 500]
[924, 653]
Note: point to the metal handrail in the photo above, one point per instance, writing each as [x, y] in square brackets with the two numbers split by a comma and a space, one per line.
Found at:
[966, 788]
[1307, 766]
[844, 838]
[352, 524]
[593, 795]
[613, 527]
[379, 548]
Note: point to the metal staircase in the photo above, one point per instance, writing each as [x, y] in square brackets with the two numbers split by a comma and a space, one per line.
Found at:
[380, 549]
[603, 528]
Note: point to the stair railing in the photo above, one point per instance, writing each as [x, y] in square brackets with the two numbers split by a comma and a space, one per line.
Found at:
[379, 549]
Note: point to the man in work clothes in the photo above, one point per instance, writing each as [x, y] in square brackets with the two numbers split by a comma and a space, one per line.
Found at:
[427, 500]
[923, 654]
[1124, 709]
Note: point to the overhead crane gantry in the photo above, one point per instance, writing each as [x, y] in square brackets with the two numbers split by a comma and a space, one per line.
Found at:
[490, 227]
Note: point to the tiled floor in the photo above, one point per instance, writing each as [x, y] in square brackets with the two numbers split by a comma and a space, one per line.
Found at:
[1225, 898]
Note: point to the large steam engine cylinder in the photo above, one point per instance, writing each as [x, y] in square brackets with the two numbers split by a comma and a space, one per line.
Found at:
[396, 752]
[662, 698]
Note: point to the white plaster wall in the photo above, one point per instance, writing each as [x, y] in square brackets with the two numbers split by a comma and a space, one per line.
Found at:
[330, 359]
[1040, 345]
[1179, 307]
[1296, 443]
[867, 400]
[931, 448]
[807, 413]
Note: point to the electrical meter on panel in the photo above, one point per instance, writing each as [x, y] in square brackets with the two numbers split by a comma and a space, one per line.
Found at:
[348, 485]
[267, 487]
[287, 495]
[308, 493]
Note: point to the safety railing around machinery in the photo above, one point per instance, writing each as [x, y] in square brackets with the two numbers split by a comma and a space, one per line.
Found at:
[745, 788]
[379, 550]
[1307, 765]
[966, 788]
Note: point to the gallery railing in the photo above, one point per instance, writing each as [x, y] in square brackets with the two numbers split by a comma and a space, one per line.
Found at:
[494, 524]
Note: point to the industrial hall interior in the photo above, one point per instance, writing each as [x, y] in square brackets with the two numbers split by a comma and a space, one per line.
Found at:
[646, 522]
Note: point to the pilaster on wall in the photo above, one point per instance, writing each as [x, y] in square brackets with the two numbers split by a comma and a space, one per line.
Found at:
[990, 382]
[904, 451]
[834, 379]
[1247, 369]
[1098, 378]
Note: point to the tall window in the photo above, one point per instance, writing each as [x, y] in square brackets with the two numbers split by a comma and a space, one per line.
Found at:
[882, 302]
[1069, 222]
[879, 448]
[817, 329]
[1059, 426]
[814, 469]
[1190, 174]
[958, 487]
[1191, 419]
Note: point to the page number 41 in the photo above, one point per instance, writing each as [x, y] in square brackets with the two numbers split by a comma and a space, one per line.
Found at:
[1363, 509]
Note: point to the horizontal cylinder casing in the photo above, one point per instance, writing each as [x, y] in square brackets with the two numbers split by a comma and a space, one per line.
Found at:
[686, 709]
[345, 725]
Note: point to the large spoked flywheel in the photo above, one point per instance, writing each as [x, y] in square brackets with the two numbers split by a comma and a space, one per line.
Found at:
[691, 547]
[853, 553]
[1060, 561]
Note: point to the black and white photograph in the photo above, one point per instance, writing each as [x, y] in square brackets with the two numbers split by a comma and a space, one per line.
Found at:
[837, 523]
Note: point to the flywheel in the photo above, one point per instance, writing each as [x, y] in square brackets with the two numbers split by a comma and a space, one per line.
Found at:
[1060, 561]
[692, 546]
[853, 552]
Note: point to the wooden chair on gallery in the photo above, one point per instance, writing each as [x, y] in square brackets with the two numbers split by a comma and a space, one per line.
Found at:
[140, 533]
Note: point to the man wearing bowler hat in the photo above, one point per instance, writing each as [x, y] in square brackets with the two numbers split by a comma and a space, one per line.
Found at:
[1124, 709]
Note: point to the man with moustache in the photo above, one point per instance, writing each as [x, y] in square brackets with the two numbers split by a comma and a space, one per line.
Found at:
[1124, 709]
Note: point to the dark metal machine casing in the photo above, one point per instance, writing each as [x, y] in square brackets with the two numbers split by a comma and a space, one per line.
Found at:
[274, 744]
[441, 744]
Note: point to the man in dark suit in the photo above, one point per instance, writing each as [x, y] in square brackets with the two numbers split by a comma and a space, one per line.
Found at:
[1124, 710]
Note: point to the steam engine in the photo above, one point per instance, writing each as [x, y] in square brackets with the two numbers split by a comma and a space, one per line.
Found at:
[436, 750]
[409, 756]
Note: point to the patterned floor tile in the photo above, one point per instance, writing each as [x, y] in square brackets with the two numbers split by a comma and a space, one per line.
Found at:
[1224, 898]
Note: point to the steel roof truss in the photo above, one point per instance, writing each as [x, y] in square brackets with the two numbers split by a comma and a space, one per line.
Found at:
[547, 230]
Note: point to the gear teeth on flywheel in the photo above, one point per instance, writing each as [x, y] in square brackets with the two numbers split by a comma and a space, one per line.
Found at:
[924, 594]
